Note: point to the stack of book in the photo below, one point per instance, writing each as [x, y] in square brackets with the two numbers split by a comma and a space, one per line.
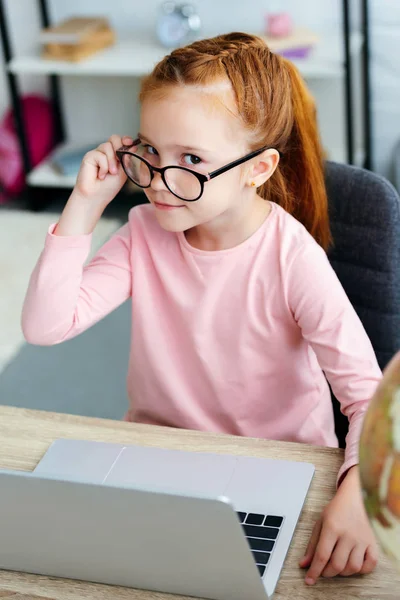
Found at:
[67, 160]
[297, 44]
[76, 38]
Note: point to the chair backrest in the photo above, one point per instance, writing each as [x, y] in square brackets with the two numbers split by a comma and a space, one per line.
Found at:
[364, 213]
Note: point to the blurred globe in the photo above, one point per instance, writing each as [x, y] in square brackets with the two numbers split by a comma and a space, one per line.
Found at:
[380, 461]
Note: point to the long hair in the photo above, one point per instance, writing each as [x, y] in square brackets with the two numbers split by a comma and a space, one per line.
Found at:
[273, 104]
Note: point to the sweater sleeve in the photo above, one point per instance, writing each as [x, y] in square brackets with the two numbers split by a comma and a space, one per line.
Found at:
[331, 326]
[64, 296]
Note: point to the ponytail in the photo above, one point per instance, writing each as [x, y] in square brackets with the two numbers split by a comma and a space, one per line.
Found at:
[298, 183]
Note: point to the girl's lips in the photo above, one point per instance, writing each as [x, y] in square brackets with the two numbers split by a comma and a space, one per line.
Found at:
[162, 206]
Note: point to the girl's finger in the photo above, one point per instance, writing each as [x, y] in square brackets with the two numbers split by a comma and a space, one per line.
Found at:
[312, 544]
[323, 552]
[108, 149]
[102, 165]
[355, 562]
[339, 559]
[99, 161]
[117, 142]
[127, 141]
[370, 560]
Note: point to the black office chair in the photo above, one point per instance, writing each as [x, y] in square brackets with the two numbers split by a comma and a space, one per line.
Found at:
[364, 212]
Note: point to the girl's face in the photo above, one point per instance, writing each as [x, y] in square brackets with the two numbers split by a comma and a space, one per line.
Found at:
[188, 128]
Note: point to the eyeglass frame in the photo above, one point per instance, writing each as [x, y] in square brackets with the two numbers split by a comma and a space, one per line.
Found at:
[201, 177]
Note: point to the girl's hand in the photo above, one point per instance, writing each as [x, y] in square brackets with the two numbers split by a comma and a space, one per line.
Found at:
[101, 175]
[342, 541]
[100, 178]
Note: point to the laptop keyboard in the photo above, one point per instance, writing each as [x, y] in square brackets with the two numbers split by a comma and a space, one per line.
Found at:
[261, 532]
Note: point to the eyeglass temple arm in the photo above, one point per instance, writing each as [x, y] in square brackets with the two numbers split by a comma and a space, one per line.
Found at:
[236, 163]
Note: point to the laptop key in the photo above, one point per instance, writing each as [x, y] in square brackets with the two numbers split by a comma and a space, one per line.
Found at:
[266, 533]
[261, 545]
[261, 558]
[242, 516]
[255, 519]
[273, 521]
[261, 568]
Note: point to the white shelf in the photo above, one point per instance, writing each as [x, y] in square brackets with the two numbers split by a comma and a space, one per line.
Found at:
[136, 57]
[129, 57]
[327, 58]
[45, 175]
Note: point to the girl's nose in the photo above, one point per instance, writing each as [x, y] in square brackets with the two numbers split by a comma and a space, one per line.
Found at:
[157, 183]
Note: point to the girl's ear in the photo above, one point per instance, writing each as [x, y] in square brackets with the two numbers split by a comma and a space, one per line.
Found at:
[262, 167]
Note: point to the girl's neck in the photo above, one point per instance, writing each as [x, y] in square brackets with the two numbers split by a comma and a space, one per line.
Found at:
[226, 233]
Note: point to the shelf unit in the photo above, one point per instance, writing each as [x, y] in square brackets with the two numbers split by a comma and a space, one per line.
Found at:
[135, 57]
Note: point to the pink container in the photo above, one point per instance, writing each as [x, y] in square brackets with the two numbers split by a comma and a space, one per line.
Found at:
[278, 24]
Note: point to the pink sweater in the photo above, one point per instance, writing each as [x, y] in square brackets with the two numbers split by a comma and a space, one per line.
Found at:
[233, 341]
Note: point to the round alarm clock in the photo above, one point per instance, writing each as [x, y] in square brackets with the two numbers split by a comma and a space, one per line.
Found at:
[178, 24]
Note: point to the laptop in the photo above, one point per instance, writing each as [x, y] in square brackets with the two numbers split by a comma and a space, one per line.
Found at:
[197, 524]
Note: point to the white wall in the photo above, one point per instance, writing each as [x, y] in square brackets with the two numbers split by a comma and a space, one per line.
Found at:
[217, 15]
[95, 108]
[385, 19]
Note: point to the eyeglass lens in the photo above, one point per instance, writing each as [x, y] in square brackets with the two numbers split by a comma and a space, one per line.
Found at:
[180, 182]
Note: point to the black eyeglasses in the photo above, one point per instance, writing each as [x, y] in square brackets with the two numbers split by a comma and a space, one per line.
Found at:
[183, 183]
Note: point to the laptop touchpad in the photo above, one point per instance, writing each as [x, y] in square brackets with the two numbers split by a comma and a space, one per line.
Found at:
[172, 471]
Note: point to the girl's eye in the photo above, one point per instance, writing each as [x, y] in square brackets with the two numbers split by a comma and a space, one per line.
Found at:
[150, 149]
[191, 160]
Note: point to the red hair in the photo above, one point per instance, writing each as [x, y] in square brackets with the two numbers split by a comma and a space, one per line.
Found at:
[273, 104]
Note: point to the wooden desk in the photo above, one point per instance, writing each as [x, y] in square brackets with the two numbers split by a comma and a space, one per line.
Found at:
[25, 436]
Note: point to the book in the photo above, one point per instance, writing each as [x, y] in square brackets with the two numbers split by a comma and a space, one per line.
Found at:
[77, 52]
[73, 31]
[68, 160]
[76, 38]
[300, 38]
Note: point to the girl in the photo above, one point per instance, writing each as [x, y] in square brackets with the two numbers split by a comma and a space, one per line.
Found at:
[237, 315]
